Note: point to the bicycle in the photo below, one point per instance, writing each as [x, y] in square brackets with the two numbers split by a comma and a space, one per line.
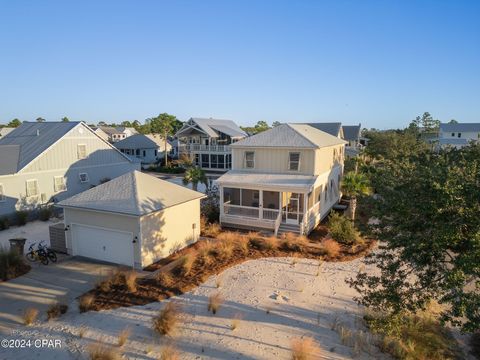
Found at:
[39, 254]
[52, 256]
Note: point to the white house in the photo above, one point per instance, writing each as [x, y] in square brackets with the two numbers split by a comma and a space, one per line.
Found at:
[134, 220]
[352, 134]
[283, 179]
[50, 161]
[458, 135]
[207, 142]
[5, 130]
[143, 147]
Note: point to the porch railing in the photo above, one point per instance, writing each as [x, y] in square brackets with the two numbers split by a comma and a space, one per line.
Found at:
[201, 147]
[237, 210]
[278, 221]
[270, 214]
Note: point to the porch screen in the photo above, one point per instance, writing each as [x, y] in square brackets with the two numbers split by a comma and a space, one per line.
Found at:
[231, 196]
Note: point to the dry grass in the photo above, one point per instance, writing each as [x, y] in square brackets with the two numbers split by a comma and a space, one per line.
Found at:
[99, 351]
[212, 230]
[167, 319]
[169, 352]
[184, 265]
[293, 242]
[85, 303]
[130, 278]
[235, 321]
[165, 279]
[304, 349]
[123, 337]
[218, 282]
[30, 315]
[214, 302]
[331, 248]
[224, 249]
[55, 310]
[205, 251]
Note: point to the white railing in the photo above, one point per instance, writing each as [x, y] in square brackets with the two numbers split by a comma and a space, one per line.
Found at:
[278, 221]
[201, 147]
[237, 210]
[270, 214]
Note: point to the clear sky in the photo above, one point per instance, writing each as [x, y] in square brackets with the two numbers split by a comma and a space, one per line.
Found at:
[380, 63]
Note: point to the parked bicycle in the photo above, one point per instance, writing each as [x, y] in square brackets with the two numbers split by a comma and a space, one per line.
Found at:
[38, 254]
[52, 256]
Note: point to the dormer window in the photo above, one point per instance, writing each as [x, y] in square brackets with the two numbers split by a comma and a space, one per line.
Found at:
[294, 161]
[250, 159]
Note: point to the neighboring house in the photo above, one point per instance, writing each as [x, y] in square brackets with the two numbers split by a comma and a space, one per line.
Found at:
[207, 142]
[458, 135]
[142, 147]
[351, 134]
[333, 128]
[161, 145]
[5, 130]
[50, 161]
[283, 179]
[100, 133]
[134, 220]
[115, 134]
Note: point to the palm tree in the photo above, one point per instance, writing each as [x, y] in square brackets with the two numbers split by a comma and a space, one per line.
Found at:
[163, 124]
[353, 185]
[194, 175]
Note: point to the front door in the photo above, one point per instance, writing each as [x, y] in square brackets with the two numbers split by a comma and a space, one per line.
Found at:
[292, 208]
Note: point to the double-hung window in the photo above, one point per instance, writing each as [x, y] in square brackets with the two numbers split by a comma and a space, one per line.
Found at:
[294, 161]
[81, 151]
[32, 188]
[250, 159]
[59, 184]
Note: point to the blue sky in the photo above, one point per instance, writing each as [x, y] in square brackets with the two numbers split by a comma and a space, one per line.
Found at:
[380, 63]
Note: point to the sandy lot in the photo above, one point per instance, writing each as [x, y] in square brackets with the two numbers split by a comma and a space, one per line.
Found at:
[34, 232]
[277, 301]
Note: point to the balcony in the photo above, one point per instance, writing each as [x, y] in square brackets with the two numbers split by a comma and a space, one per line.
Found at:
[206, 148]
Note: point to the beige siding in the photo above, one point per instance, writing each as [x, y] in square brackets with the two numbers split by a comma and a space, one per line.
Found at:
[274, 160]
[328, 157]
[166, 231]
[103, 220]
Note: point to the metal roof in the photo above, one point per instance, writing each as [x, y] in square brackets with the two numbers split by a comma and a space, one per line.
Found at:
[452, 141]
[137, 141]
[9, 159]
[351, 132]
[133, 193]
[290, 136]
[460, 127]
[208, 126]
[332, 128]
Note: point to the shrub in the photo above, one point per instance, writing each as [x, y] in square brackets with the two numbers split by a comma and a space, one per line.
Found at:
[169, 352]
[130, 278]
[165, 279]
[184, 265]
[123, 337]
[45, 213]
[55, 310]
[167, 319]
[224, 249]
[304, 349]
[342, 229]
[331, 248]
[30, 315]
[4, 223]
[235, 321]
[292, 242]
[214, 302]
[100, 351]
[11, 263]
[205, 249]
[263, 244]
[212, 230]
[85, 303]
[21, 217]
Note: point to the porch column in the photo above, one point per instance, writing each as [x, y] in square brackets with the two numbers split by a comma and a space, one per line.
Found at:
[260, 205]
[221, 201]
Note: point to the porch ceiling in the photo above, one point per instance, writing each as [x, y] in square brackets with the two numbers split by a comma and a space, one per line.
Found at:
[266, 181]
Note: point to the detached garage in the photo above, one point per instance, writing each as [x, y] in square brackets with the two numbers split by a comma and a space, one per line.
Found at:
[134, 220]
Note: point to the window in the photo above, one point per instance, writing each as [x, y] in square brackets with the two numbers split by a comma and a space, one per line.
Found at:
[32, 188]
[137, 152]
[59, 183]
[221, 161]
[83, 177]
[2, 193]
[318, 194]
[205, 161]
[82, 151]
[453, 134]
[229, 161]
[326, 192]
[156, 152]
[459, 135]
[249, 159]
[293, 161]
[197, 159]
[144, 153]
[214, 161]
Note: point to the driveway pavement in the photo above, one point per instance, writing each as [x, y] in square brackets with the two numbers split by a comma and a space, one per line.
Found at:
[43, 285]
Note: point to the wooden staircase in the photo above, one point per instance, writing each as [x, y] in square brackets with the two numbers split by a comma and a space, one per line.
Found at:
[284, 228]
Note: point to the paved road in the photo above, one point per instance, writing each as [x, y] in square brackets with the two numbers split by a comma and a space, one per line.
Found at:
[43, 285]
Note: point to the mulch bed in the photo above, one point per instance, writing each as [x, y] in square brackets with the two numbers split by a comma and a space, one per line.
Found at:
[14, 272]
[149, 289]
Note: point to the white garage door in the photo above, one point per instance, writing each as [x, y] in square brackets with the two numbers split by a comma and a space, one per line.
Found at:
[103, 244]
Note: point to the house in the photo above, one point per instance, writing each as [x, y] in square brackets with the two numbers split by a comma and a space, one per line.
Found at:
[50, 161]
[207, 142]
[100, 133]
[351, 134]
[146, 148]
[458, 135]
[134, 220]
[5, 130]
[283, 179]
[332, 128]
[161, 144]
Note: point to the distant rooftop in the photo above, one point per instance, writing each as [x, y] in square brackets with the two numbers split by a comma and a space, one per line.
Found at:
[460, 127]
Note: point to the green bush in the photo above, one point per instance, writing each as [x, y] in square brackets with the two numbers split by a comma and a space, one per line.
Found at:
[21, 217]
[45, 213]
[342, 229]
[10, 261]
[4, 223]
[170, 169]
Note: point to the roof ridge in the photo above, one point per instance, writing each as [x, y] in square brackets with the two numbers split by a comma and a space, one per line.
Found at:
[135, 190]
[303, 136]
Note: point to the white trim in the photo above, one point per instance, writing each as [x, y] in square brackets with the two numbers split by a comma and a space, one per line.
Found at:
[3, 198]
[298, 162]
[55, 190]
[246, 161]
[99, 211]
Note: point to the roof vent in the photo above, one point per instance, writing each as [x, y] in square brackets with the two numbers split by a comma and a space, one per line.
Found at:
[38, 132]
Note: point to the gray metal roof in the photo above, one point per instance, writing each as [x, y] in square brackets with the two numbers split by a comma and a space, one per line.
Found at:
[267, 180]
[290, 136]
[137, 141]
[33, 138]
[133, 193]
[351, 132]
[9, 159]
[452, 141]
[208, 126]
[229, 131]
[460, 127]
[332, 128]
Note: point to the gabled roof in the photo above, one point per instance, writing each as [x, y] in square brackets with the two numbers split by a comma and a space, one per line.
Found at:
[290, 136]
[137, 141]
[211, 127]
[133, 193]
[460, 127]
[110, 130]
[33, 138]
[351, 132]
[333, 128]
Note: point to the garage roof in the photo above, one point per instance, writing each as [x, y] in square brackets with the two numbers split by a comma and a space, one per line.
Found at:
[134, 193]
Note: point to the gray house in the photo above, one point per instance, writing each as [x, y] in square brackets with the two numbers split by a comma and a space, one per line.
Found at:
[143, 147]
[50, 161]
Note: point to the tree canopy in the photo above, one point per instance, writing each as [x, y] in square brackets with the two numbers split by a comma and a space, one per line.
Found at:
[14, 123]
[257, 128]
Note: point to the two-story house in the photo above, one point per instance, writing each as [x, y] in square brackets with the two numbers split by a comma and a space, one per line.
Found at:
[207, 142]
[459, 134]
[283, 179]
[352, 134]
[147, 148]
[50, 161]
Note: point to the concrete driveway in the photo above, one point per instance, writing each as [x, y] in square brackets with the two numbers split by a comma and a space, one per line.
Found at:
[43, 285]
